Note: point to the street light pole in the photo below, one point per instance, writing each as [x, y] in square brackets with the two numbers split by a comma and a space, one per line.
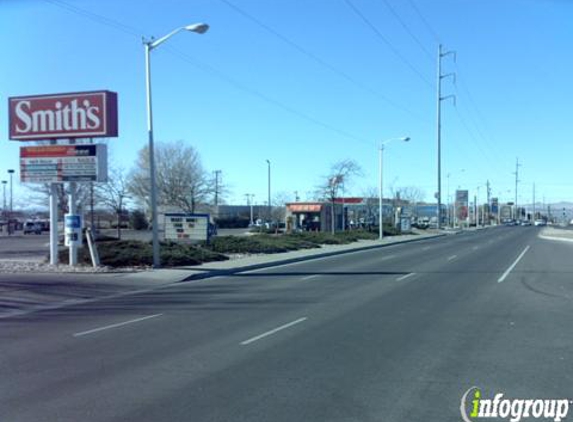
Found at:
[200, 28]
[269, 188]
[380, 186]
[11, 173]
[4, 182]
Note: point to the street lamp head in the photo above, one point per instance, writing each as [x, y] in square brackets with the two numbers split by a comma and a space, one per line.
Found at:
[406, 139]
[199, 28]
[4, 182]
[11, 171]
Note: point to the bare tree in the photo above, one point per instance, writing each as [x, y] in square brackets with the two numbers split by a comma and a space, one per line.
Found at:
[371, 204]
[279, 206]
[181, 179]
[40, 195]
[114, 193]
[340, 174]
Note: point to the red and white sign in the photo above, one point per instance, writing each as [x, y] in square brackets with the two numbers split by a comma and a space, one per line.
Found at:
[74, 115]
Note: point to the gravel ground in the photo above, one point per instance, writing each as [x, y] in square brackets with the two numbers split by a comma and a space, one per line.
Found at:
[14, 266]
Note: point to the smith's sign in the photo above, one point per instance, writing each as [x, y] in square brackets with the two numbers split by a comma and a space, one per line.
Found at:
[75, 115]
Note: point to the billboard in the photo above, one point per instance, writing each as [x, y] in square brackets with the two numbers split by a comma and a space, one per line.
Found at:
[186, 227]
[63, 163]
[462, 205]
[73, 115]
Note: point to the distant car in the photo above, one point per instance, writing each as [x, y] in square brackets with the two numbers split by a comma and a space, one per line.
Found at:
[31, 227]
[526, 223]
[540, 223]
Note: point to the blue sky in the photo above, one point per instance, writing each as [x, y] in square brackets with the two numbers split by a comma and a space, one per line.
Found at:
[307, 83]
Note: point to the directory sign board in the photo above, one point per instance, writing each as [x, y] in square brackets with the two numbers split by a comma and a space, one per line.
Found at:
[63, 163]
[462, 205]
[186, 227]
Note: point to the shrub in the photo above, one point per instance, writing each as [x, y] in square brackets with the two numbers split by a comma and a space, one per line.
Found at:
[130, 253]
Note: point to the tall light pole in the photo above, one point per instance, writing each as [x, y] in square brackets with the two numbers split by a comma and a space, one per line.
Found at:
[199, 28]
[441, 55]
[380, 187]
[4, 182]
[11, 173]
[269, 187]
[517, 165]
[250, 197]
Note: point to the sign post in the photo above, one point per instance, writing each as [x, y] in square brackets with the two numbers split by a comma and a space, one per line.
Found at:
[68, 116]
[187, 227]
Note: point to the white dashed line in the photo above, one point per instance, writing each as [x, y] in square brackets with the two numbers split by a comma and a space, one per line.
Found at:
[107, 327]
[512, 266]
[273, 331]
[404, 277]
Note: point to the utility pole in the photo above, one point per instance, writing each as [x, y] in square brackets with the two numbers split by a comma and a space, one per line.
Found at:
[441, 55]
[533, 218]
[517, 165]
[217, 174]
[488, 190]
[269, 190]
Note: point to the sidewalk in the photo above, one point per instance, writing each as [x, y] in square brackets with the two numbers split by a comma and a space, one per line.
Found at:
[557, 233]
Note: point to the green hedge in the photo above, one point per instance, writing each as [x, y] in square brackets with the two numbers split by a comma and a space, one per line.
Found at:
[129, 253]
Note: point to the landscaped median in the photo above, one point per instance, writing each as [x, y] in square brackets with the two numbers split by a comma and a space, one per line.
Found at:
[131, 253]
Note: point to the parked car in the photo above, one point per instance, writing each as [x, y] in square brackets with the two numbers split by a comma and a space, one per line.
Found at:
[540, 223]
[33, 227]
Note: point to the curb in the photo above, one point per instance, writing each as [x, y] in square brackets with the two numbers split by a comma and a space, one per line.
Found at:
[235, 270]
[560, 239]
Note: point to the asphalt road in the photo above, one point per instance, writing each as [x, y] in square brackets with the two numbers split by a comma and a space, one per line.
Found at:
[395, 334]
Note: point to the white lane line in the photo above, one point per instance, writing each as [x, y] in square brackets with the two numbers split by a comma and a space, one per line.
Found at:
[452, 257]
[425, 248]
[308, 277]
[404, 277]
[120, 324]
[475, 248]
[506, 273]
[273, 331]
[385, 258]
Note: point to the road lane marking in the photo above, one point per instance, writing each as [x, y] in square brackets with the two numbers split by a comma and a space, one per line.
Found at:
[308, 277]
[506, 273]
[404, 277]
[385, 258]
[273, 331]
[452, 257]
[120, 324]
[425, 248]
[475, 248]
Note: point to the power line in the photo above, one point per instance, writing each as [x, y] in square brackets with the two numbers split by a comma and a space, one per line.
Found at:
[407, 29]
[97, 18]
[242, 87]
[388, 43]
[425, 22]
[317, 59]
[207, 68]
